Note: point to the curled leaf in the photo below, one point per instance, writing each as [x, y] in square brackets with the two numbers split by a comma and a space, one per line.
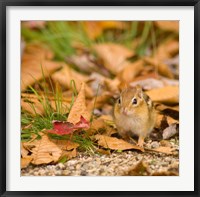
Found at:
[66, 128]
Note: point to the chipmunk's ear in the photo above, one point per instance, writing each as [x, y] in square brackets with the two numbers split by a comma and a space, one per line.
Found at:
[139, 91]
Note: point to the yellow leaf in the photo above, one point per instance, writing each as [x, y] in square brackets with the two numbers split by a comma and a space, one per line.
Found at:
[131, 71]
[168, 25]
[113, 55]
[43, 151]
[115, 143]
[167, 94]
[36, 64]
[164, 149]
[96, 28]
[25, 161]
[67, 74]
[79, 108]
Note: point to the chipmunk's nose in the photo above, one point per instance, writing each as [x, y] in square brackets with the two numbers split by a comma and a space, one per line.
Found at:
[125, 111]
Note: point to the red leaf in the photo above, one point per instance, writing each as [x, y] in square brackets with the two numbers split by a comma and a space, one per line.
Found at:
[66, 128]
[83, 123]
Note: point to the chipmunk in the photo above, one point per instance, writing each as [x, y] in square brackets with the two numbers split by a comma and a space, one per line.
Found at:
[134, 114]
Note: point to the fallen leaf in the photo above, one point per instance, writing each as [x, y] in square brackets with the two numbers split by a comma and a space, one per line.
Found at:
[99, 101]
[167, 94]
[66, 128]
[32, 105]
[166, 119]
[165, 143]
[109, 131]
[148, 84]
[85, 62]
[164, 108]
[36, 65]
[115, 143]
[67, 74]
[169, 82]
[165, 173]
[173, 170]
[140, 169]
[25, 161]
[112, 85]
[130, 71]
[103, 152]
[96, 28]
[65, 144]
[24, 152]
[113, 55]
[163, 149]
[43, 151]
[79, 108]
[161, 68]
[168, 25]
[70, 154]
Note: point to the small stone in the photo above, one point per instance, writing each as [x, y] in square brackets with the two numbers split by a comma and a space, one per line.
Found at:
[154, 144]
[61, 166]
[35, 173]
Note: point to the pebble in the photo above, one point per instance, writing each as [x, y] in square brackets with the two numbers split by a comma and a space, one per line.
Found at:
[114, 164]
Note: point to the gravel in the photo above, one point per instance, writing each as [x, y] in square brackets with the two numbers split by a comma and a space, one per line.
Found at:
[115, 164]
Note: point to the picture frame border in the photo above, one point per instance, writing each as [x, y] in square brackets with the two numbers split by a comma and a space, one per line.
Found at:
[5, 3]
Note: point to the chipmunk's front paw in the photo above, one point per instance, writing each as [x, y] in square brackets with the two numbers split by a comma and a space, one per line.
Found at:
[140, 142]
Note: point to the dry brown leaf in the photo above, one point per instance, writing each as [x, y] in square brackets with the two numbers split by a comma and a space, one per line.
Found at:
[36, 64]
[167, 49]
[85, 62]
[131, 71]
[162, 149]
[99, 101]
[43, 151]
[96, 28]
[67, 74]
[168, 120]
[115, 143]
[165, 173]
[170, 111]
[109, 131]
[168, 25]
[32, 105]
[140, 169]
[24, 152]
[165, 143]
[103, 152]
[26, 161]
[112, 85]
[167, 94]
[38, 51]
[79, 108]
[65, 144]
[171, 48]
[98, 124]
[162, 68]
[169, 82]
[69, 154]
[148, 84]
[162, 107]
[113, 55]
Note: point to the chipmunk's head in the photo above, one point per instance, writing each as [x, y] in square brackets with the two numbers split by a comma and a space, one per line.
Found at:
[130, 101]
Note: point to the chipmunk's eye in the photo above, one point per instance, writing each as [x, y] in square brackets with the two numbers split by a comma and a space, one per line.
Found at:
[134, 101]
[119, 101]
